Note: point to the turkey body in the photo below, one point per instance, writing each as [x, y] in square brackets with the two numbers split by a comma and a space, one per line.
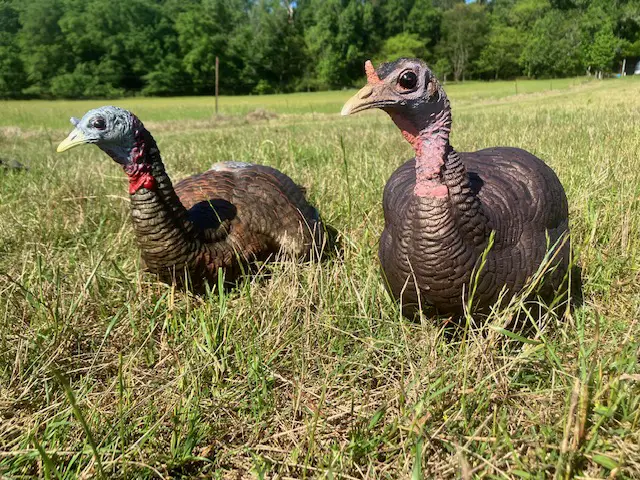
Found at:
[443, 208]
[223, 219]
[430, 245]
[226, 217]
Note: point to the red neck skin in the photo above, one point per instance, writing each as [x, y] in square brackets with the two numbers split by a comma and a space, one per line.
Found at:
[430, 145]
[138, 170]
[139, 177]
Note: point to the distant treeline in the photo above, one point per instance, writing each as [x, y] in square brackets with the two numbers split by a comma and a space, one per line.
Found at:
[102, 48]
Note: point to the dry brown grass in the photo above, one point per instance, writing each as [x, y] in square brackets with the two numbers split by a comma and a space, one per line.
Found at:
[310, 371]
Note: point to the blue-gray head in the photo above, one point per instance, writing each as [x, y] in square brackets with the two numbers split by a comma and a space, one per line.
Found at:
[116, 131]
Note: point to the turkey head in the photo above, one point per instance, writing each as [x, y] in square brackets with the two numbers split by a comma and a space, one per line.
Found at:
[408, 91]
[122, 136]
[116, 131]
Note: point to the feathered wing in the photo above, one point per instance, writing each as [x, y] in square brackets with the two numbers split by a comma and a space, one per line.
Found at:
[506, 190]
[394, 250]
[256, 210]
[527, 208]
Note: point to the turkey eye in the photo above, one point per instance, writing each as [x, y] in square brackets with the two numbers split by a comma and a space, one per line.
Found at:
[408, 80]
[99, 123]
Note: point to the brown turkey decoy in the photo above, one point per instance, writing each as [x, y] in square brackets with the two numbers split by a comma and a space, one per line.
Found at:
[441, 206]
[226, 217]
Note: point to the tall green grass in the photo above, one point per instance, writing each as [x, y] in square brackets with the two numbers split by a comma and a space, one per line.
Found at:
[311, 372]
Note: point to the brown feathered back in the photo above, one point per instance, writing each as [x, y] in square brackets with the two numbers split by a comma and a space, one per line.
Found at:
[256, 207]
[235, 213]
[438, 242]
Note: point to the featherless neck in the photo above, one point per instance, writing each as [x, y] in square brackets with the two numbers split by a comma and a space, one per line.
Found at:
[432, 150]
[145, 164]
[166, 236]
[148, 180]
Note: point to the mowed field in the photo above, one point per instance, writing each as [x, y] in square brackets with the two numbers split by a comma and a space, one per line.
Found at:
[309, 370]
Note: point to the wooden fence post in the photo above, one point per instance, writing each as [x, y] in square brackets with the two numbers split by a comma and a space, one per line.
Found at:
[217, 76]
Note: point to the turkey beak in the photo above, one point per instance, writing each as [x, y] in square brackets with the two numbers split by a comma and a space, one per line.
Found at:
[369, 96]
[375, 94]
[75, 138]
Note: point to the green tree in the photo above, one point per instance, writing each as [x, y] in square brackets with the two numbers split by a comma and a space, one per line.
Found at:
[600, 45]
[601, 53]
[401, 45]
[203, 33]
[522, 14]
[553, 48]
[394, 13]
[12, 76]
[629, 21]
[464, 29]
[272, 46]
[93, 48]
[115, 43]
[339, 41]
[442, 68]
[167, 75]
[424, 21]
[321, 39]
[447, 4]
[501, 54]
[43, 49]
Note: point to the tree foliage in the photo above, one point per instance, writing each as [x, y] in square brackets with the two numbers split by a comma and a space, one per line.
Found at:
[553, 47]
[93, 48]
[464, 33]
[401, 45]
[12, 74]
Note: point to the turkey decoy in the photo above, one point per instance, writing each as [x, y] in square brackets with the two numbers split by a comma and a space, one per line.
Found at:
[226, 217]
[11, 164]
[441, 206]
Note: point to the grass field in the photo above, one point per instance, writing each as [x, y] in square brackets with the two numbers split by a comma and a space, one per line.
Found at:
[312, 372]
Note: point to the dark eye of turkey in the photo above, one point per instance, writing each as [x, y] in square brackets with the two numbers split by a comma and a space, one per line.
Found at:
[99, 123]
[407, 80]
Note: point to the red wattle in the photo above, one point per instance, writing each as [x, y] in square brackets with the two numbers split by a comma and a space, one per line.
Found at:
[141, 180]
[429, 160]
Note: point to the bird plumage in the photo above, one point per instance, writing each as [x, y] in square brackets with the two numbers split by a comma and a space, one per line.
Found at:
[225, 218]
[442, 206]
[417, 242]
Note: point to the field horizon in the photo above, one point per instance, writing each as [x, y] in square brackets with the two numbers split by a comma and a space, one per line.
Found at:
[309, 370]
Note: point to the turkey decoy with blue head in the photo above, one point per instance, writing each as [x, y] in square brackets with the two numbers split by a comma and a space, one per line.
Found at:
[441, 206]
[227, 217]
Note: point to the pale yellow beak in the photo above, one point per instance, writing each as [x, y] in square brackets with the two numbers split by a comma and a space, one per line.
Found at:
[75, 138]
[369, 96]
